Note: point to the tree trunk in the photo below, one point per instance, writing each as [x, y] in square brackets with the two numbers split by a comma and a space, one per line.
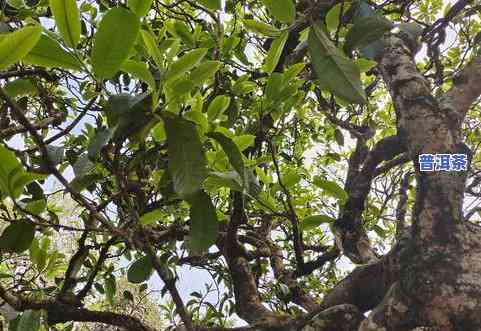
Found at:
[439, 285]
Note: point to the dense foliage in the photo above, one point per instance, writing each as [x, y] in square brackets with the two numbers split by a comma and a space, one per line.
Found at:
[261, 142]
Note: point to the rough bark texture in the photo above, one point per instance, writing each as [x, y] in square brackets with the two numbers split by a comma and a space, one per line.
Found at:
[439, 286]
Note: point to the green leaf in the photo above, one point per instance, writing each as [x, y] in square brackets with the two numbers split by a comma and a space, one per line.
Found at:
[182, 30]
[38, 254]
[67, 18]
[17, 237]
[275, 52]
[158, 132]
[217, 107]
[140, 271]
[262, 28]
[30, 321]
[274, 86]
[283, 10]
[48, 53]
[291, 178]
[20, 87]
[244, 141]
[331, 188]
[150, 217]
[14, 46]
[211, 4]
[314, 221]
[16, 3]
[140, 7]
[232, 151]
[365, 31]
[188, 61]
[140, 71]
[332, 17]
[151, 47]
[204, 72]
[217, 180]
[365, 65]
[13, 177]
[187, 163]
[36, 207]
[205, 225]
[335, 72]
[113, 41]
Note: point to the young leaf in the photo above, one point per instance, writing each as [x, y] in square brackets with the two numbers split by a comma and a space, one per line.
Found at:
[67, 18]
[314, 221]
[17, 237]
[366, 31]
[283, 10]
[150, 217]
[365, 65]
[332, 17]
[151, 47]
[188, 61]
[113, 41]
[140, 71]
[140, 7]
[217, 107]
[232, 151]
[204, 72]
[244, 141]
[48, 53]
[187, 163]
[261, 28]
[140, 271]
[275, 52]
[335, 72]
[16, 45]
[211, 4]
[205, 225]
[13, 177]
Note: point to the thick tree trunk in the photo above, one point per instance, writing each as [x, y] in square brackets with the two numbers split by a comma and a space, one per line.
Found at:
[439, 286]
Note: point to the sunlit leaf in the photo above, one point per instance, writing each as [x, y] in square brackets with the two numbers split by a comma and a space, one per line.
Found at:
[140, 7]
[48, 53]
[211, 4]
[113, 41]
[67, 18]
[188, 61]
[282, 10]
[16, 45]
[275, 52]
[150, 217]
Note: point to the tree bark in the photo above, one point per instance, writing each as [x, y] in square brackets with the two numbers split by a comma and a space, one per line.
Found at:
[439, 287]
